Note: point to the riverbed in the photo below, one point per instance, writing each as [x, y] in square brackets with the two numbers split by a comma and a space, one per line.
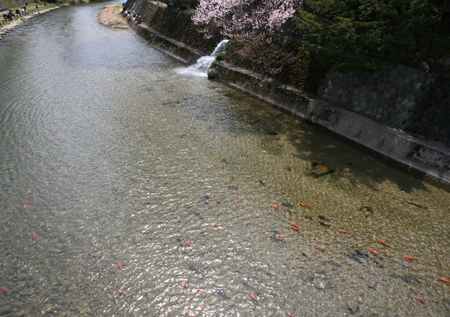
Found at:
[131, 188]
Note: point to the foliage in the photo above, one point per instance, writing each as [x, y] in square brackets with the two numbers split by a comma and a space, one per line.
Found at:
[269, 59]
[352, 32]
[243, 17]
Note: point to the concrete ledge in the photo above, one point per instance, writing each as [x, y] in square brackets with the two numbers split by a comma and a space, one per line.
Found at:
[175, 49]
[427, 157]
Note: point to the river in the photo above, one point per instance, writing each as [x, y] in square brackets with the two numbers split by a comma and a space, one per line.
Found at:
[119, 172]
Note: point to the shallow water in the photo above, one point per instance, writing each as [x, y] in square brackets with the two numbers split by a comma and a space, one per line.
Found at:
[90, 117]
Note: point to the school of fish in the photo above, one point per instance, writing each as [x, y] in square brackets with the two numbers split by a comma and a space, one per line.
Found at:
[295, 226]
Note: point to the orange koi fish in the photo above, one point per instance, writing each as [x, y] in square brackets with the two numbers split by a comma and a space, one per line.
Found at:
[421, 300]
[28, 191]
[304, 205]
[5, 231]
[383, 243]
[184, 284]
[276, 207]
[346, 232]
[218, 201]
[122, 293]
[320, 248]
[35, 217]
[34, 236]
[289, 314]
[216, 224]
[29, 146]
[187, 313]
[188, 243]
[410, 258]
[443, 280]
[159, 159]
[255, 299]
[120, 266]
[236, 204]
[201, 291]
[5, 290]
[25, 206]
[139, 191]
[26, 201]
[296, 229]
[295, 224]
[373, 251]
[133, 178]
[281, 236]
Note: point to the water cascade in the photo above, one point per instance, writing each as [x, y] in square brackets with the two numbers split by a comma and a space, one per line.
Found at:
[204, 63]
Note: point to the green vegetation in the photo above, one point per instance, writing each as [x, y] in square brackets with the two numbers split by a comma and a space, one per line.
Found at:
[350, 33]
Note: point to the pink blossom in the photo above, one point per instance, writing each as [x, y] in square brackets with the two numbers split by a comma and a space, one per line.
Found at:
[243, 17]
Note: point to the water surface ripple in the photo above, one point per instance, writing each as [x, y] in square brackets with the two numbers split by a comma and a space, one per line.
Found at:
[109, 155]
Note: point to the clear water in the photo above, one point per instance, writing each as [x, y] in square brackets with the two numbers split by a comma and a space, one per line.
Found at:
[84, 109]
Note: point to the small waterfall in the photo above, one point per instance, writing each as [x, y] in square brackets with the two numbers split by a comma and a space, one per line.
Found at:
[203, 63]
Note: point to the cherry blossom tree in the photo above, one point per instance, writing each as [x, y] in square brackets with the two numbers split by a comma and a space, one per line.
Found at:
[243, 17]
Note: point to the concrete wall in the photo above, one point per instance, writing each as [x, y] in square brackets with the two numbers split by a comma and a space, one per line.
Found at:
[390, 96]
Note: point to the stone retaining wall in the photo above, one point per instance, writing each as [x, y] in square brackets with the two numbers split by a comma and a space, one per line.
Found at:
[177, 50]
[424, 156]
[390, 96]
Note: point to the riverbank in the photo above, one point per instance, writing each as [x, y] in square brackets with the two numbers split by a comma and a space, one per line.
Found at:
[7, 27]
[415, 153]
[111, 17]
[427, 157]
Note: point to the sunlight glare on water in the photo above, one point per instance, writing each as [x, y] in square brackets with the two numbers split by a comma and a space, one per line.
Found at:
[120, 173]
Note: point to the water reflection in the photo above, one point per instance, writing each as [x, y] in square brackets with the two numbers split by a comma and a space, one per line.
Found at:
[124, 160]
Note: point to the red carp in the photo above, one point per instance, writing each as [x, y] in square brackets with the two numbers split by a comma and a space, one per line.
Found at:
[421, 300]
[373, 251]
[410, 258]
[383, 243]
[255, 299]
[122, 293]
[201, 292]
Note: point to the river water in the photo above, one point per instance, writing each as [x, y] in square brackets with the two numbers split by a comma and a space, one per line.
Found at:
[111, 157]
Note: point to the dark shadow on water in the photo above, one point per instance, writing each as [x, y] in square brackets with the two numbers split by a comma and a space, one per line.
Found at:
[332, 149]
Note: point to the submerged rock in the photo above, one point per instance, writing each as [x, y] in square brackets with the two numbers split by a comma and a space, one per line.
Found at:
[320, 169]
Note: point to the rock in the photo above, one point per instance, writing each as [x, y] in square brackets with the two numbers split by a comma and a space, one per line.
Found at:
[321, 169]
[212, 73]
[353, 307]
[49, 309]
[24, 312]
